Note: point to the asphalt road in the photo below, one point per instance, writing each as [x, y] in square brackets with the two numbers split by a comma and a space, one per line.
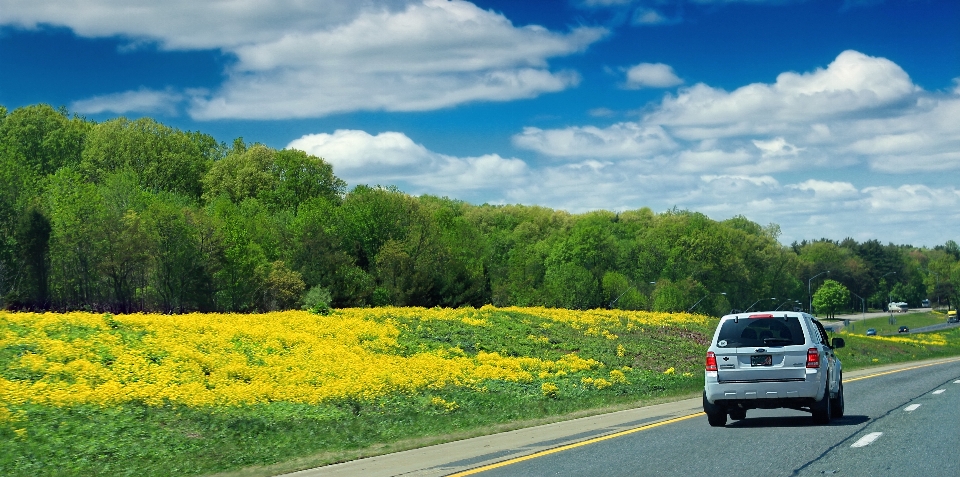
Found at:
[913, 440]
[900, 420]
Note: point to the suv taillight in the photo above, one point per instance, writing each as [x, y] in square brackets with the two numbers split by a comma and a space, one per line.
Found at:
[712, 361]
[813, 358]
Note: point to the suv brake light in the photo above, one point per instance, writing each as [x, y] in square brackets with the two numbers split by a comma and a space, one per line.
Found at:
[813, 358]
[763, 315]
[712, 361]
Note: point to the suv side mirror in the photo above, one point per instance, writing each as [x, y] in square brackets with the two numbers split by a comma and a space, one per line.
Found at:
[838, 343]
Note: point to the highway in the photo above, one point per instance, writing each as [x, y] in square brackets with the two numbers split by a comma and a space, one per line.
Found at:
[900, 420]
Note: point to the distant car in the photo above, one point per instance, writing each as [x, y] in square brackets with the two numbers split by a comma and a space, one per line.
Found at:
[903, 329]
[925, 303]
[952, 317]
[871, 332]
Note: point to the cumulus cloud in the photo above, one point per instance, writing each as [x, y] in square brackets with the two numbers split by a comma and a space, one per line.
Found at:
[852, 83]
[189, 24]
[857, 109]
[308, 59]
[753, 151]
[776, 147]
[142, 101]
[651, 75]
[649, 16]
[392, 158]
[619, 140]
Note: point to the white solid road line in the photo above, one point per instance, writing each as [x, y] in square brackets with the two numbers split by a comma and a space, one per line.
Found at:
[939, 391]
[912, 407]
[867, 439]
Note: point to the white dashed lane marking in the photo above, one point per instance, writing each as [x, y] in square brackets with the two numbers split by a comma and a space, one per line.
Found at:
[939, 391]
[912, 407]
[957, 381]
[867, 439]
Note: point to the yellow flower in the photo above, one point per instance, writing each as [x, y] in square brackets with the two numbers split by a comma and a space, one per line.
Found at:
[617, 376]
[670, 371]
[550, 390]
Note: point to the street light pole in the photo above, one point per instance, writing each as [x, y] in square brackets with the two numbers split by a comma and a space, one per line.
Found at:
[784, 303]
[863, 306]
[809, 294]
[754, 303]
[889, 299]
[698, 301]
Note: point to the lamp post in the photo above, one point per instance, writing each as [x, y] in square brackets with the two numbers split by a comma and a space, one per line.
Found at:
[889, 298]
[754, 303]
[863, 306]
[809, 294]
[784, 303]
[936, 286]
[704, 296]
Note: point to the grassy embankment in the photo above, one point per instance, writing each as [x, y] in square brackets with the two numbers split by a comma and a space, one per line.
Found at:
[87, 394]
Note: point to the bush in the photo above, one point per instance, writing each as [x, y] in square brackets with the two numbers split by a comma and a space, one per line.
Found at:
[317, 301]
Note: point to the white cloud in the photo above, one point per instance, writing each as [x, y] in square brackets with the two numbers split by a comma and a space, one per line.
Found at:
[307, 59]
[145, 101]
[392, 158]
[651, 75]
[649, 16]
[824, 189]
[852, 83]
[859, 109]
[776, 147]
[190, 24]
[622, 140]
[753, 151]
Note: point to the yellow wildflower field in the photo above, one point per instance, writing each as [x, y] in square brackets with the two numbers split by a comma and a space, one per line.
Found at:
[290, 356]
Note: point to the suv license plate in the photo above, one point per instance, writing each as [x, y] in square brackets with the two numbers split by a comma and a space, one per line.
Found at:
[761, 360]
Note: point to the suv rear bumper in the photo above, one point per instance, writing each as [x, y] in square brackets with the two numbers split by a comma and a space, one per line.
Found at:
[765, 394]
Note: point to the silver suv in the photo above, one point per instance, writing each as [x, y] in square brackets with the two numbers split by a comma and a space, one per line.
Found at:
[769, 360]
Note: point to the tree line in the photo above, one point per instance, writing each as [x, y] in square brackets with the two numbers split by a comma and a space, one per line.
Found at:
[132, 215]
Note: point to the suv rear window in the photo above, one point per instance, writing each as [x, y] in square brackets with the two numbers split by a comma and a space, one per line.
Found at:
[766, 331]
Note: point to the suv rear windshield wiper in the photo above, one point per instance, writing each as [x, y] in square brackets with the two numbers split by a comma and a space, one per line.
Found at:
[772, 341]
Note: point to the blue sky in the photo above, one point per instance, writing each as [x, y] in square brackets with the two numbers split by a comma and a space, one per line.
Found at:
[830, 118]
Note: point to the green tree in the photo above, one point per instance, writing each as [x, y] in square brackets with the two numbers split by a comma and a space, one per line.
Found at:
[571, 286]
[163, 159]
[830, 297]
[283, 288]
[278, 179]
[174, 253]
[45, 138]
[34, 240]
[245, 265]
[76, 241]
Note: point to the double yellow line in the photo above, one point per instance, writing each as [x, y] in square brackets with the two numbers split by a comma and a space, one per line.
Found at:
[648, 426]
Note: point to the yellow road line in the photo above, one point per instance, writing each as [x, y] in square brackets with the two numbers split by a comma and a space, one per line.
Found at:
[648, 426]
[573, 446]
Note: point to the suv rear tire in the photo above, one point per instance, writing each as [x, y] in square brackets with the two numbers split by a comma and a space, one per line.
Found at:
[836, 407]
[822, 410]
[716, 415]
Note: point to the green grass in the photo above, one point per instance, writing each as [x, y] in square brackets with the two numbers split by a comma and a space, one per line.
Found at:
[269, 439]
[884, 327]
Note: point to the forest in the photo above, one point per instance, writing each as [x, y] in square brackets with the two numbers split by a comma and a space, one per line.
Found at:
[128, 215]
